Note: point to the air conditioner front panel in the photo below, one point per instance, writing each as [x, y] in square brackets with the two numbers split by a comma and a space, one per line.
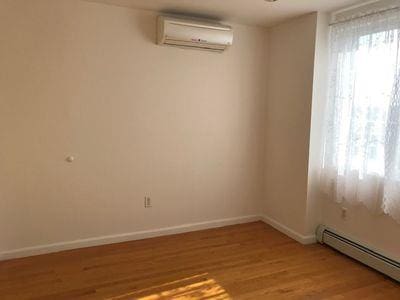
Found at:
[194, 34]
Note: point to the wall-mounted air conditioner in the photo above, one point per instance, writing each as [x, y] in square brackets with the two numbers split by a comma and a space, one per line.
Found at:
[193, 34]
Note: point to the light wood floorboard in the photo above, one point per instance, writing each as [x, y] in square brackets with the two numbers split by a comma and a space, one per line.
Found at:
[247, 261]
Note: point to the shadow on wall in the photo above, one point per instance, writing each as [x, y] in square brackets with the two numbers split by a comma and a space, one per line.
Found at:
[147, 27]
[180, 14]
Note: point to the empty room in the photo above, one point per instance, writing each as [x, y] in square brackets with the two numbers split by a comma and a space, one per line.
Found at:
[199, 149]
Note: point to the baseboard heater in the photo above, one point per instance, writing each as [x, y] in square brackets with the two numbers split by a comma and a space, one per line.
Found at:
[359, 252]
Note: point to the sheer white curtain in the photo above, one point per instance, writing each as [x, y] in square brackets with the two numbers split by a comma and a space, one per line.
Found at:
[361, 158]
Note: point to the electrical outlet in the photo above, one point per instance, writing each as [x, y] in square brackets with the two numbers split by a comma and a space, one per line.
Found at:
[147, 202]
[344, 213]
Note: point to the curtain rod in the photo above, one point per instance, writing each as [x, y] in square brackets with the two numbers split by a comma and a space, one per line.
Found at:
[366, 15]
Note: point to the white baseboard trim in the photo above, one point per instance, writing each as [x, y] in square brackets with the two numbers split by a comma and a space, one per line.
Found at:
[303, 239]
[138, 235]
[124, 237]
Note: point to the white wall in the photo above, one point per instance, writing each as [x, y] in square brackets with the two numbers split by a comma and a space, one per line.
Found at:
[319, 90]
[290, 91]
[84, 79]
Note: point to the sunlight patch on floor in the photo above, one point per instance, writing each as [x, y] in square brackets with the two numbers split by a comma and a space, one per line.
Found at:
[195, 287]
[208, 289]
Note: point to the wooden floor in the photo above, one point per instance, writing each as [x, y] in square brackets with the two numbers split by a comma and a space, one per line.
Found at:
[249, 261]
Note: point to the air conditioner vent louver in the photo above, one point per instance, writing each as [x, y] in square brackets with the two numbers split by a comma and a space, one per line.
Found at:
[359, 252]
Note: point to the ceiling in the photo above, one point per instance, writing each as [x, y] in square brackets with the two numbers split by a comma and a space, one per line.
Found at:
[252, 12]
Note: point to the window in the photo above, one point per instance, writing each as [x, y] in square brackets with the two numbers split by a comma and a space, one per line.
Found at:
[361, 160]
